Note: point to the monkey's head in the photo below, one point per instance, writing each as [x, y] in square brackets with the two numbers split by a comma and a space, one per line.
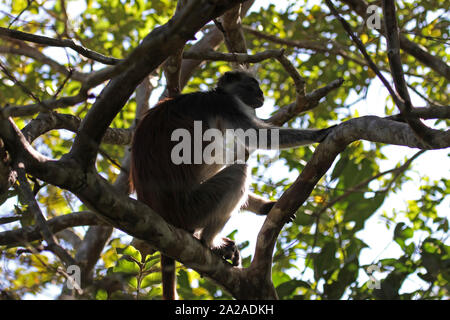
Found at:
[244, 86]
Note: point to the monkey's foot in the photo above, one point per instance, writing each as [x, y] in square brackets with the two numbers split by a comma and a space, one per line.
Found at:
[229, 251]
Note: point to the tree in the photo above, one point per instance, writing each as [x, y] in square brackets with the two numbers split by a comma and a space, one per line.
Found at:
[313, 61]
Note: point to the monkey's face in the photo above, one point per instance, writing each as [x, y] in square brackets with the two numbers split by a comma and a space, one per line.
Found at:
[244, 86]
[250, 93]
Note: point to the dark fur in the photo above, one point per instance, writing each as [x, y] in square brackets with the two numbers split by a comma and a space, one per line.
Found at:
[200, 197]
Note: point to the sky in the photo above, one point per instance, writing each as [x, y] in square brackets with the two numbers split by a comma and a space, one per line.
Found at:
[375, 233]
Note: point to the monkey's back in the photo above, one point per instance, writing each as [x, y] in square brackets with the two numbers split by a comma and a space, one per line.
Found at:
[158, 181]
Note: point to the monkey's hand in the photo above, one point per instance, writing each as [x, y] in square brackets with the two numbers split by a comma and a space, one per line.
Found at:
[229, 251]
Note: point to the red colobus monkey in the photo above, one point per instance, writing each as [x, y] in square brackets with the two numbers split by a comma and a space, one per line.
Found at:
[199, 197]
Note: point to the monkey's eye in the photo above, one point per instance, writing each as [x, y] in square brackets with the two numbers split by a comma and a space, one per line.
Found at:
[250, 87]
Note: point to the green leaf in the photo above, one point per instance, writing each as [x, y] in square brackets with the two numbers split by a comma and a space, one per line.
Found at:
[360, 211]
[101, 295]
[287, 288]
[325, 260]
[151, 280]
[402, 233]
[126, 266]
[347, 275]
[130, 251]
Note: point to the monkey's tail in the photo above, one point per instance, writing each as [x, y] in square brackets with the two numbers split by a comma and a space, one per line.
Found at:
[169, 279]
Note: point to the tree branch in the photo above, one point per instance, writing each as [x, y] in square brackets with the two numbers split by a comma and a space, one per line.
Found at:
[28, 234]
[43, 106]
[439, 66]
[172, 66]
[232, 57]
[369, 128]
[393, 44]
[317, 46]
[142, 222]
[232, 32]
[41, 223]
[402, 99]
[210, 41]
[28, 51]
[364, 183]
[46, 122]
[435, 112]
[63, 43]
[310, 101]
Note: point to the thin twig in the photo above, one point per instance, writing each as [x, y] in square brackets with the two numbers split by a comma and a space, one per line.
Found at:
[359, 186]
[41, 222]
[22, 86]
[29, 3]
[362, 49]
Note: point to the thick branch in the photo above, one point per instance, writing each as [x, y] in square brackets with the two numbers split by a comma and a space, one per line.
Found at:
[393, 44]
[210, 41]
[369, 128]
[97, 236]
[393, 51]
[232, 57]
[172, 66]
[233, 35]
[140, 221]
[435, 112]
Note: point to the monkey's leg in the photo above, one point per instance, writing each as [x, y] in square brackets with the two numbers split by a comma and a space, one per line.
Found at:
[214, 201]
[261, 206]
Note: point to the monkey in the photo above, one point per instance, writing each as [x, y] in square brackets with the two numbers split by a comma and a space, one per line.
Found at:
[200, 197]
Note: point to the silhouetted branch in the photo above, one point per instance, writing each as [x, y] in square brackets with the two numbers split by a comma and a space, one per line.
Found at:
[64, 43]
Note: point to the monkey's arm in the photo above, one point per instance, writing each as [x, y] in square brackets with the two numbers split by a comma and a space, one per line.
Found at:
[274, 138]
[289, 138]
